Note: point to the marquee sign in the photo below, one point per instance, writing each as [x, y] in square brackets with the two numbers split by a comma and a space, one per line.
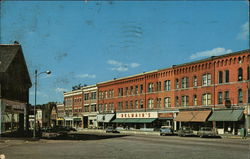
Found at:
[137, 115]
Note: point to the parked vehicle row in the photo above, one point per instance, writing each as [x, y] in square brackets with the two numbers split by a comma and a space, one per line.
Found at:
[57, 131]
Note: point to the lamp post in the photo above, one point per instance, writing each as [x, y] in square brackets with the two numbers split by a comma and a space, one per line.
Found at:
[36, 75]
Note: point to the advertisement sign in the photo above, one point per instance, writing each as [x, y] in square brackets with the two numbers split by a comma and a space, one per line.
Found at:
[137, 115]
[13, 107]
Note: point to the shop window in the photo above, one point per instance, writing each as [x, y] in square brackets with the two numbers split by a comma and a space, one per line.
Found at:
[240, 74]
[226, 76]
[240, 96]
[220, 98]
[220, 77]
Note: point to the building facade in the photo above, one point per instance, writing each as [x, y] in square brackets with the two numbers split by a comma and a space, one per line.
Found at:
[14, 89]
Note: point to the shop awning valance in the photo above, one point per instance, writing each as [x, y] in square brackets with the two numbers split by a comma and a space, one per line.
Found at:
[106, 118]
[226, 115]
[193, 116]
[134, 120]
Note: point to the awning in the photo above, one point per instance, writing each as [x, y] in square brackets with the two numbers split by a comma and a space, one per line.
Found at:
[134, 120]
[193, 116]
[226, 115]
[105, 118]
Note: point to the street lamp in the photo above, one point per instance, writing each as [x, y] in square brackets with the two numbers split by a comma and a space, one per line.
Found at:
[36, 75]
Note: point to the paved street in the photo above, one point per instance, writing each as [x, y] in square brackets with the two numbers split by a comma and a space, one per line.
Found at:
[120, 146]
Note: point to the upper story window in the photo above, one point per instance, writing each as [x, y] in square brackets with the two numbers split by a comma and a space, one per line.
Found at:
[226, 76]
[93, 95]
[248, 73]
[195, 81]
[136, 104]
[184, 82]
[206, 79]
[150, 103]
[86, 96]
[158, 86]
[150, 87]
[176, 101]
[206, 99]
[220, 99]
[184, 101]
[226, 95]
[220, 76]
[158, 104]
[120, 91]
[141, 103]
[126, 105]
[195, 100]
[240, 96]
[131, 105]
[131, 90]
[167, 102]
[141, 88]
[167, 85]
[136, 89]
[176, 83]
[126, 91]
[240, 74]
[248, 98]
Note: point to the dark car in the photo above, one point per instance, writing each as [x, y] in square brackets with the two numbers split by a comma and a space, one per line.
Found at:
[207, 132]
[111, 130]
[185, 131]
[166, 131]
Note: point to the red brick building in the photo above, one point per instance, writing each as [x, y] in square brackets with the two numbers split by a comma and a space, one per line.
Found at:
[195, 94]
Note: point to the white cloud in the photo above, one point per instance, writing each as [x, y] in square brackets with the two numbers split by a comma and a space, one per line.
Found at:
[121, 67]
[214, 52]
[244, 33]
[86, 76]
[60, 90]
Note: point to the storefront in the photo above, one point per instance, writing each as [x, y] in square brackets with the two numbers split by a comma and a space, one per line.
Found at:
[228, 121]
[137, 120]
[77, 122]
[166, 118]
[60, 121]
[12, 115]
[68, 121]
[193, 119]
[92, 121]
[105, 120]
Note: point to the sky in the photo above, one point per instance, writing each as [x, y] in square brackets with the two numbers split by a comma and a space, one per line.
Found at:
[86, 42]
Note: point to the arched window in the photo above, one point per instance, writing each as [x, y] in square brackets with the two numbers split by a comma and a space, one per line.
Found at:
[240, 74]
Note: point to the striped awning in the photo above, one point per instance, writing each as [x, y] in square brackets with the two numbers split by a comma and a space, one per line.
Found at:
[193, 116]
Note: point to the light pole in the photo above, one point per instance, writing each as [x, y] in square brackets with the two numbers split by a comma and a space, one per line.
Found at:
[36, 75]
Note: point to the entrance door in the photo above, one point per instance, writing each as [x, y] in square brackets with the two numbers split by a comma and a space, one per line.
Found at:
[85, 122]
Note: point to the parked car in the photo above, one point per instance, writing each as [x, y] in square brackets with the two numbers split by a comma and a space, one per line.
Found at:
[207, 132]
[185, 131]
[111, 130]
[166, 131]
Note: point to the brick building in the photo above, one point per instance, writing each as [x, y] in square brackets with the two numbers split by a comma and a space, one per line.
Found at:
[209, 92]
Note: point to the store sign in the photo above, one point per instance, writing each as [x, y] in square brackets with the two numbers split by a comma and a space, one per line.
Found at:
[14, 107]
[137, 115]
[166, 115]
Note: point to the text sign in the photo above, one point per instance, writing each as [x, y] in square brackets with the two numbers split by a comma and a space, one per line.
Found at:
[137, 115]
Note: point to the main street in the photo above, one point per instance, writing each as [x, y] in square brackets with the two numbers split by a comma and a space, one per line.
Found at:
[120, 146]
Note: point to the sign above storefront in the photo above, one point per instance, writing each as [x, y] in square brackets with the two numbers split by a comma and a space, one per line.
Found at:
[137, 115]
[13, 106]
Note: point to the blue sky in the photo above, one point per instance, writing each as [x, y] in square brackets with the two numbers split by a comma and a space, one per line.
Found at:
[90, 42]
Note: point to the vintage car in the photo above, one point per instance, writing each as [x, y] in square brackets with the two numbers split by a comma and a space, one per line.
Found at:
[112, 130]
[207, 132]
[185, 131]
[165, 130]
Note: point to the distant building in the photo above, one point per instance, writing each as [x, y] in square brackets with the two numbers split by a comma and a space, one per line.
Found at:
[14, 89]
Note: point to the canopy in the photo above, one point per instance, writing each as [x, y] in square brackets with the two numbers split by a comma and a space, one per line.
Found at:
[193, 116]
[226, 115]
[106, 118]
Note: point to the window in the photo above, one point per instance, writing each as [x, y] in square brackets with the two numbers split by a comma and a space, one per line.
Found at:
[131, 90]
[195, 81]
[195, 100]
[240, 74]
[240, 96]
[158, 104]
[220, 98]
[120, 92]
[176, 101]
[93, 95]
[167, 85]
[136, 104]
[167, 102]
[158, 86]
[126, 91]
[226, 76]
[136, 89]
[150, 103]
[100, 107]
[206, 99]
[126, 105]
[184, 82]
[150, 87]
[248, 73]
[86, 108]
[248, 96]
[141, 104]
[93, 108]
[206, 79]
[226, 95]
[141, 88]
[120, 105]
[220, 80]
[131, 105]
[184, 101]
[176, 83]
[86, 96]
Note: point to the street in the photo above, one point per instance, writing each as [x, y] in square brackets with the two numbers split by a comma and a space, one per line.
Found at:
[120, 146]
